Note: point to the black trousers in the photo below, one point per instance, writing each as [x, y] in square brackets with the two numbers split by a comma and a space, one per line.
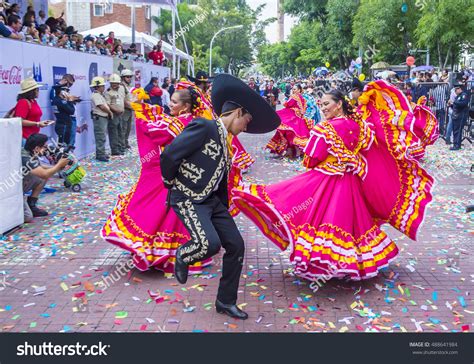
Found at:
[64, 130]
[211, 226]
[458, 125]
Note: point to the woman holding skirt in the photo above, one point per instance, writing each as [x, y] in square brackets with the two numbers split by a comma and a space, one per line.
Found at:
[361, 176]
[293, 133]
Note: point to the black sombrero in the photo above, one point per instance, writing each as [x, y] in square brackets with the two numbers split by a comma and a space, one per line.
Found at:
[229, 88]
[201, 76]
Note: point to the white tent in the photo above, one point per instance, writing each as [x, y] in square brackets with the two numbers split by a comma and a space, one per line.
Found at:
[124, 33]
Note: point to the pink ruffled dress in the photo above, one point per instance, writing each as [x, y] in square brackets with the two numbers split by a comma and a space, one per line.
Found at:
[294, 129]
[362, 175]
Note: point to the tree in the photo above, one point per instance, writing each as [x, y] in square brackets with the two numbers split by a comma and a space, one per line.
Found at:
[337, 35]
[446, 27]
[308, 10]
[383, 28]
[233, 49]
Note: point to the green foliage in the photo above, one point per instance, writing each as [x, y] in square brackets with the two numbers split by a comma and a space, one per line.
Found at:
[336, 31]
[232, 49]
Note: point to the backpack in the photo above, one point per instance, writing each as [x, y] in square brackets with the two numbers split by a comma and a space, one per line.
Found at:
[11, 112]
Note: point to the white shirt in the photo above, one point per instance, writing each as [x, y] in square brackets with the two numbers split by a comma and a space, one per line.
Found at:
[165, 98]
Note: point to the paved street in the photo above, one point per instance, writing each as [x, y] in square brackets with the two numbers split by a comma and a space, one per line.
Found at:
[51, 271]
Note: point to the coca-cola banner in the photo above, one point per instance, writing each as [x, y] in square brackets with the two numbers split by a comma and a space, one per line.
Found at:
[47, 65]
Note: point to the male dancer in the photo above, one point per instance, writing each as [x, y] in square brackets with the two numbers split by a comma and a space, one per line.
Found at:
[195, 168]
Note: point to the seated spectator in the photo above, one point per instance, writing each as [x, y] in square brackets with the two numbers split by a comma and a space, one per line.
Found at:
[41, 17]
[14, 25]
[34, 175]
[133, 49]
[100, 45]
[44, 34]
[13, 10]
[118, 51]
[90, 47]
[30, 32]
[29, 17]
[3, 15]
[7, 33]
[28, 109]
[52, 23]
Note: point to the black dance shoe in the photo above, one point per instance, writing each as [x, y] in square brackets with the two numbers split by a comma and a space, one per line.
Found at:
[180, 269]
[231, 310]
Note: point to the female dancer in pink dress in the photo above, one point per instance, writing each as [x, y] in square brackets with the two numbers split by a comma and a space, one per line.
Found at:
[361, 176]
[140, 222]
[293, 133]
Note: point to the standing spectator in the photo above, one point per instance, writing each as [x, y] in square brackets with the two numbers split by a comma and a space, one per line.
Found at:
[253, 85]
[154, 91]
[172, 87]
[111, 39]
[34, 175]
[65, 83]
[165, 98]
[444, 76]
[101, 114]
[63, 109]
[28, 109]
[449, 129]
[289, 87]
[156, 55]
[460, 112]
[439, 95]
[41, 18]
[116, 101]
[127, 116]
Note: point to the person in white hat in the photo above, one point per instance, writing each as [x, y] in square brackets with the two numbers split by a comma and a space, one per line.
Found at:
[101, 114]
[28, 109]
[127, 117]
[116, 102]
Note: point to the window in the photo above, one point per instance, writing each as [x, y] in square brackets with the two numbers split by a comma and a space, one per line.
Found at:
[148, 12]
[98, 10]
[109, 8]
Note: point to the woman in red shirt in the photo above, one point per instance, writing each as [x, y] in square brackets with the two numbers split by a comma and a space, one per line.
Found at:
[28, 109]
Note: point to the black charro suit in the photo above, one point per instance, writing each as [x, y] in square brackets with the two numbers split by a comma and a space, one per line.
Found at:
[195, 168]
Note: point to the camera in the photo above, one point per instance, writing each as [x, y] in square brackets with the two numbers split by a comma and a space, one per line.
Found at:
[55, 152]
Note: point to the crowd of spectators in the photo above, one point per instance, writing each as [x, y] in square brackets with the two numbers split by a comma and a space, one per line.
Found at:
[55, 32]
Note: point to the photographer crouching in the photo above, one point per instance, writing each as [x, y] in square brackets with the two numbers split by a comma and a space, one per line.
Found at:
[35, 175]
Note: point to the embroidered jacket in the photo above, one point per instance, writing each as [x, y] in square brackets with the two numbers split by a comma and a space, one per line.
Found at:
[196, 163]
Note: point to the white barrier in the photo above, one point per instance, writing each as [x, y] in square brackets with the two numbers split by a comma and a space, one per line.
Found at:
[11, 187]
[19, 60]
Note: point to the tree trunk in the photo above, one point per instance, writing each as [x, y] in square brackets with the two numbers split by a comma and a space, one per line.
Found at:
[440, 61]
[447, 56]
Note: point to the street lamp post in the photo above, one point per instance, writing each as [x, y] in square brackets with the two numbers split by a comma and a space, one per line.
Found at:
[212, 41]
